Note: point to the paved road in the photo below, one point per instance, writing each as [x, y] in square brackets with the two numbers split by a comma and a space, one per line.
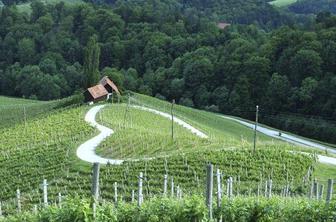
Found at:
[291, 139]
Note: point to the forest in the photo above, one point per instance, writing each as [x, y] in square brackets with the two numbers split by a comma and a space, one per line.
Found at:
[313, 6]
[175, 50]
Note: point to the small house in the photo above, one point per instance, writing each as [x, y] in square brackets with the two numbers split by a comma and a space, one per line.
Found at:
[96, 93]
[102, 91]
[109, 85]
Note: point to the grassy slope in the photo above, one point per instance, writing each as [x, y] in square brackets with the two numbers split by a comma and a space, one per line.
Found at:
[46, 148]
[217, 127]
[282, 3]
[231, 131]
[16, 110]
[147, 134]
[8, 101]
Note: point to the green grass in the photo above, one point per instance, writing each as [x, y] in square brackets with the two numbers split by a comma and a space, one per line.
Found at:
[148, 135]
[10, 101]
[322, 173]
[144, 135]
[282, 3]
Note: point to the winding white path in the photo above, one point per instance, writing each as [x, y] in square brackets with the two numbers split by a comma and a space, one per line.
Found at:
[176, 120]
[291, 139]
[86, 151]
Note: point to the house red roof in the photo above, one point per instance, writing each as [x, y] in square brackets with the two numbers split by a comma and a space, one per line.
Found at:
[106, 81]
[97, 91]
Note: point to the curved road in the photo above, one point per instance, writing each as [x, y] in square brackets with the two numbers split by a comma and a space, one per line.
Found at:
[86, 151]
[291, 139]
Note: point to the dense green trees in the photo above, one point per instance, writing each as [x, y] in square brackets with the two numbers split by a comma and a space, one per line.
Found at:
[91, 61]
[313, 6]
[172, 52]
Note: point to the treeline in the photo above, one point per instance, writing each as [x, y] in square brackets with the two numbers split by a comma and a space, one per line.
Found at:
[12, 2]
[160, 51]
[231, 11]
[313, 6]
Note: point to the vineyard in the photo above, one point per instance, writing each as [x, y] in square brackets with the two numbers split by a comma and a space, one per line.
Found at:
[45, 148]
[191, 208]
[14, 111]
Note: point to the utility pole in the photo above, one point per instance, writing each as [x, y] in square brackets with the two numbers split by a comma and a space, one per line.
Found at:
[255, 128]
[126, 110]
[172, 118]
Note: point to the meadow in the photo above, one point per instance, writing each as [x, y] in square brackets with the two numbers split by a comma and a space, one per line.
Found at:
[282, 3]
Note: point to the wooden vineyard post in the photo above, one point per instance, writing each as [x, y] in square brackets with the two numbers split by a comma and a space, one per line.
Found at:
[177, 191]
[172, 187]
[140, 195]
[35, 209]
[255, 129]
[287, 190]
[126, 111]
[219, 192]
[112, 97]
[18, 200]
[115, 192]
[329, 190]
[45, 193]
[229, 187]
[0, 209]
[258, 190]
[311, 193]
[172, 119]
[270, 184]
[219, 188]
[321, 192]
[165, 181]
[25, 116]
[316, 189]
[266, 186]
[95, 187]
[209, 189]
[132, 196]
[59, 200]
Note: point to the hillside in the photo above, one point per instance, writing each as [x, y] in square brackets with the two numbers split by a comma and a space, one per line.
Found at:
[16, 110]
[180, 139]
[288, 71]
[29, 151]
[313, 6]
